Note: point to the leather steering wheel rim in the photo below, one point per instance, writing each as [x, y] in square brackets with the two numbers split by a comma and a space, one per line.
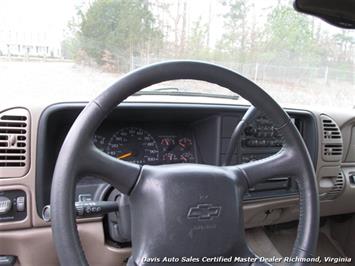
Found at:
[79, 157]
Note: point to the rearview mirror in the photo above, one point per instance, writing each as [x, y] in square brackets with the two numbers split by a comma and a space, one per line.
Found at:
[340, 13]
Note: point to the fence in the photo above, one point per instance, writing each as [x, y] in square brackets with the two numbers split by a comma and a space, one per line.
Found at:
[304, 85]
[298, 75]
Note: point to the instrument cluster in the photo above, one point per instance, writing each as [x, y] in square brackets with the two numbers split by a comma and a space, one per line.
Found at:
[148, 145]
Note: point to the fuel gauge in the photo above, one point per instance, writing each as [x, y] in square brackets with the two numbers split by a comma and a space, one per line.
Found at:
[187, 157]
[185, 143]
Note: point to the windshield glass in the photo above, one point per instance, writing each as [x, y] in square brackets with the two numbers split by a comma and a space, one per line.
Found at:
[72, 50]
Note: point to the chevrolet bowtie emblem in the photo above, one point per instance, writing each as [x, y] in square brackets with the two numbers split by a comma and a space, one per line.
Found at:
[204, 212]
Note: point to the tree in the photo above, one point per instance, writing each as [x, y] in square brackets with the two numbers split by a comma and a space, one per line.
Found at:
[289, 34]
[234, 39]
[197, 44]
[119, 28]
[345, 42]
[70, 48]
[71, 45]
[172, 19]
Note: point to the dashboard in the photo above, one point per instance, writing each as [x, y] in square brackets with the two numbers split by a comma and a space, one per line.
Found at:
[156, 133]
[165, 134]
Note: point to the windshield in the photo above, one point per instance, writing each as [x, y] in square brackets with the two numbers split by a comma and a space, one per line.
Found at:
[72, 50]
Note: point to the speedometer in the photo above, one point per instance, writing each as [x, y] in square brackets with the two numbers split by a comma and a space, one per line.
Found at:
[135, 145]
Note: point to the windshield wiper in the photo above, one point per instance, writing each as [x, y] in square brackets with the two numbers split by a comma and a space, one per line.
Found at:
[172, 91]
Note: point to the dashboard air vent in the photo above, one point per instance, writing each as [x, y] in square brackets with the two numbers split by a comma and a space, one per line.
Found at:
[333, 150]
[337, 189]
[14, 142]
[332, 142]
[330, 129]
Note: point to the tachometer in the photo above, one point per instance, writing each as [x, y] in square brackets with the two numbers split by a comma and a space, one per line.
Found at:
[135, 145]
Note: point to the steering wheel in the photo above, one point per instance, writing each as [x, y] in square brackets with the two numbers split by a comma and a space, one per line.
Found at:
[181, 210]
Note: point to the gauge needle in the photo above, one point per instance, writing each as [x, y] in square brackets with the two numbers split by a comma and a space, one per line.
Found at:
[125, 155]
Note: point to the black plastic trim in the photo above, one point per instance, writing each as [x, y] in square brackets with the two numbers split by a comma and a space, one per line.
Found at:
[208, 110]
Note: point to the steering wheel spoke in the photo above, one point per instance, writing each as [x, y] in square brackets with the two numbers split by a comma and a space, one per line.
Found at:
[121, 174]
[280, 164]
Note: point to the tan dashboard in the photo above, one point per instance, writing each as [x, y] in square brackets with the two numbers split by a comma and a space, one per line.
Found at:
[26, 233]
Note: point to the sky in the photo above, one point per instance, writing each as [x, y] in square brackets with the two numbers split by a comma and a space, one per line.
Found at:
[51, 17]
[37, 16]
